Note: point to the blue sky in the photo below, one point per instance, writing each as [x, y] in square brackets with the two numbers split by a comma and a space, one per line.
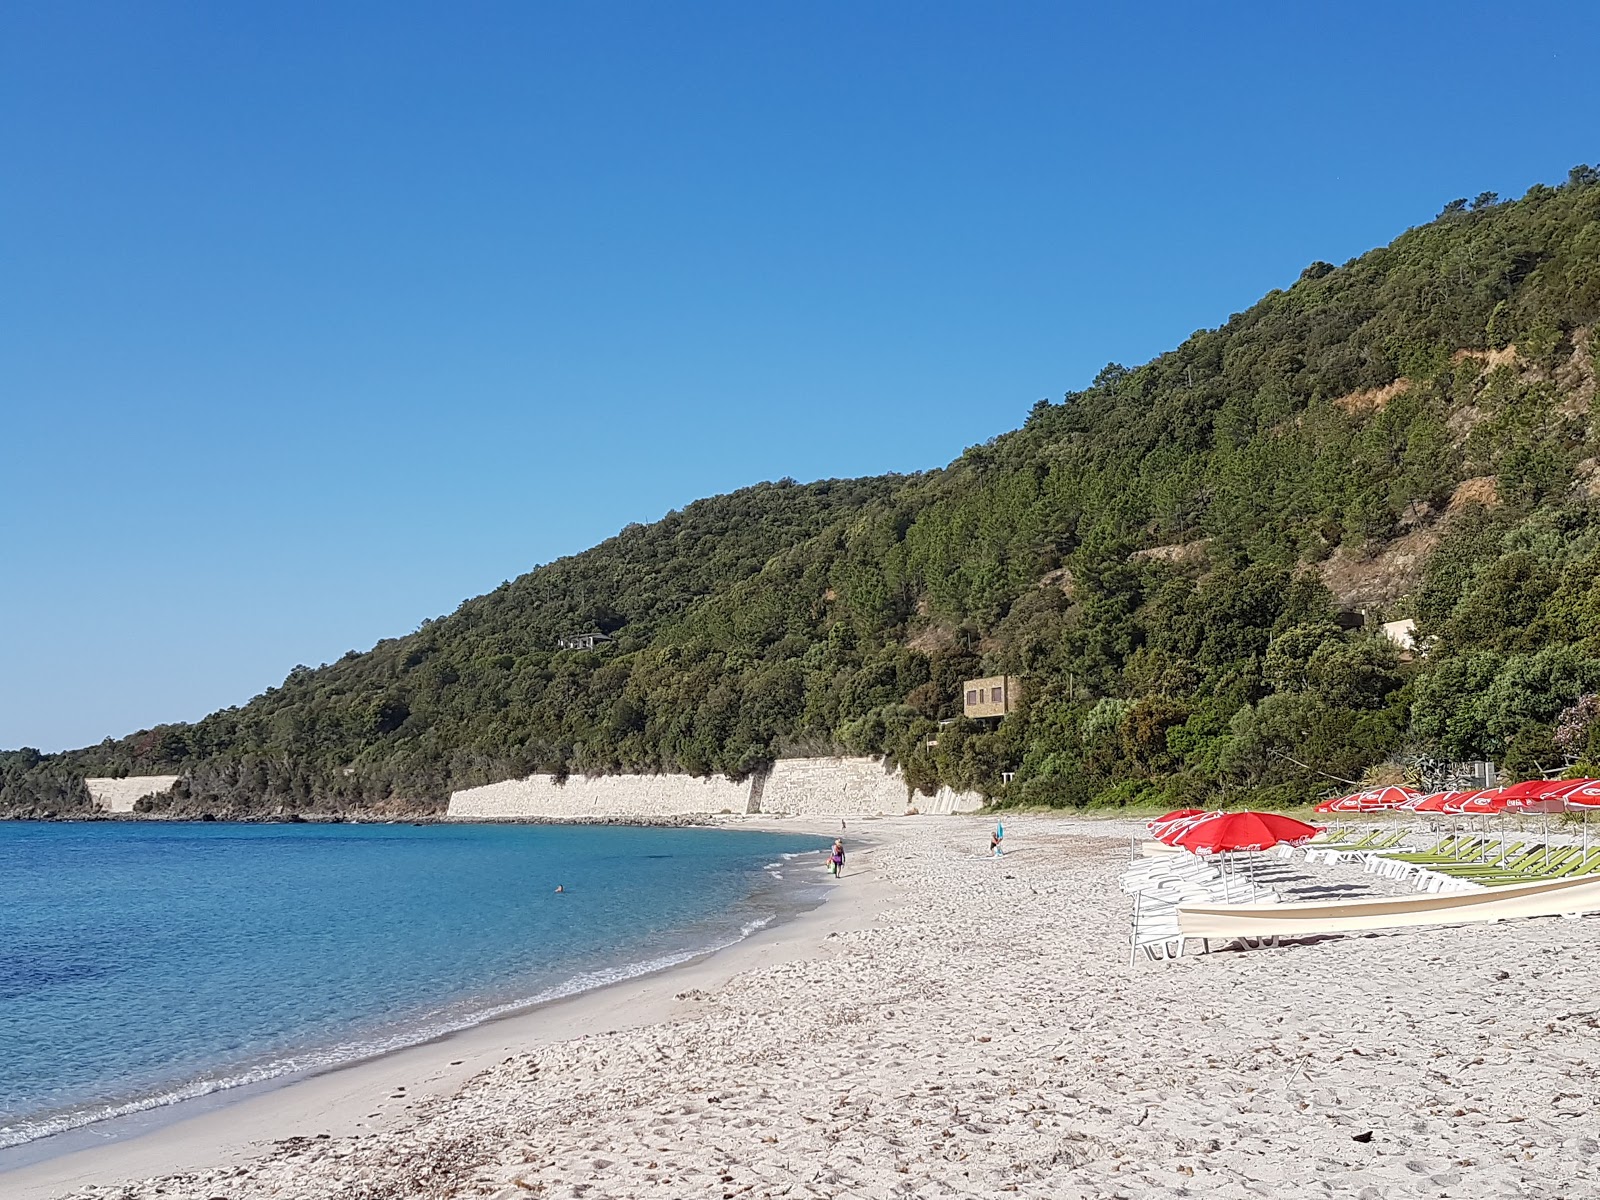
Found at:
[319, 318]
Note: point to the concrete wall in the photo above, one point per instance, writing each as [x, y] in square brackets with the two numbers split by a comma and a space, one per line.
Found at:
[601, 796]
[842, 787]
[947, 801]
[120, 795]
[827, 787]
[833, 787]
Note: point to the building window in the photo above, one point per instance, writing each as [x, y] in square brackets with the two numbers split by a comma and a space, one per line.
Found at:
[996, 695]
[972, 697]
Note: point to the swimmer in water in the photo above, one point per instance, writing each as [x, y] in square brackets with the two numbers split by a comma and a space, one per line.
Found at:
[559, 889]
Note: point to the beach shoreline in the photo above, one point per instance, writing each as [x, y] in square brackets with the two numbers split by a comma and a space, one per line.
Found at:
[224, 1128]
[951, 1024]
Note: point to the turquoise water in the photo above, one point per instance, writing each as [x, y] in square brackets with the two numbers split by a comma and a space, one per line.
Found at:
[142, 964]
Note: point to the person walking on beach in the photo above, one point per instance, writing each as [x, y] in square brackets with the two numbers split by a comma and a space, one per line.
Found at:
[995, 839]
[836, 858]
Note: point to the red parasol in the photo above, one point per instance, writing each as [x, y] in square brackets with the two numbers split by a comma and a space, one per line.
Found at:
[1528, 805]
[1219, 833]
[1437, 802]
[1176, 814]
[1374, 800]
[1580, 793]
[1169, 832]
[1478, 804]
[1537, 787]
[1164, 828]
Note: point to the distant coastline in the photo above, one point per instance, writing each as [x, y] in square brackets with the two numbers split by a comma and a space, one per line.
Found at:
[360, 817]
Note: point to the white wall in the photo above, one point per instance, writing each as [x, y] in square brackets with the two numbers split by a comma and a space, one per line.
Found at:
[833, 787]
[826, 787]
[120, 795]
[946, 801]
[601, 796]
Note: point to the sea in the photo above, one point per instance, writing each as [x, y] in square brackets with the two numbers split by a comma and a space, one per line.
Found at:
[143, 964]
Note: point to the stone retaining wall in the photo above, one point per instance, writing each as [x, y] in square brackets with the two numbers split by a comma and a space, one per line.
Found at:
[842, 787]
[833, 787]
[825, 787]
[120, 795]
[946, 801]
[601, 796]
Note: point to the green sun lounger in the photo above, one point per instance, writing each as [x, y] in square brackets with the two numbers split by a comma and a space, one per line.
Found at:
[1330, 839]
[1446, 847]
[1518, 859]
[1458, 849]
[1512, 858]
[1569, 861]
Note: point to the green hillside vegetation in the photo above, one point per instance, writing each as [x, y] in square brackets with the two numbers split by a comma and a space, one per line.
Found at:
[1163, 558]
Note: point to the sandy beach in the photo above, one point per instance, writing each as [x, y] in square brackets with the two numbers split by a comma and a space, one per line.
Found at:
[949, 1024]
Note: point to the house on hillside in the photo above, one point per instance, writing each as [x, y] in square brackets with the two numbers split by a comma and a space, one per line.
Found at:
[992, 696]
[582, 641]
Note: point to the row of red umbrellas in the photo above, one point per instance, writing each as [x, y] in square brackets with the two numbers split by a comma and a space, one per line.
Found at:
[1202, 832]
[1531, 796]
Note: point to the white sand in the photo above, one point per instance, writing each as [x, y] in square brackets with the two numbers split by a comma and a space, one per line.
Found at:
[955, 1025]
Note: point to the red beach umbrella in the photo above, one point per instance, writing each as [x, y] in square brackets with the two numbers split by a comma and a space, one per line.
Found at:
[1531, 795]
[1522, 806]
[1223, 832]
[1580, 793]
[1169, 832]
[1373, 800]
[1437, 802]
[1176, 815]
[1479, 804]
[1537, 787]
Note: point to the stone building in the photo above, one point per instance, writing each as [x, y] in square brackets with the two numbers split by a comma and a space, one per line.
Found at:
[993, 696]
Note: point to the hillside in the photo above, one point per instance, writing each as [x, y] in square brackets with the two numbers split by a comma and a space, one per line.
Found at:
[1162, 556]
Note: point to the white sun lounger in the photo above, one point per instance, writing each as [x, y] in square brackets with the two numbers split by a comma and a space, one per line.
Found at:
[1155, 911]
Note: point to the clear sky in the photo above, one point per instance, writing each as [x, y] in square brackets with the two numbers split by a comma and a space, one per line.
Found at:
[317, 318]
